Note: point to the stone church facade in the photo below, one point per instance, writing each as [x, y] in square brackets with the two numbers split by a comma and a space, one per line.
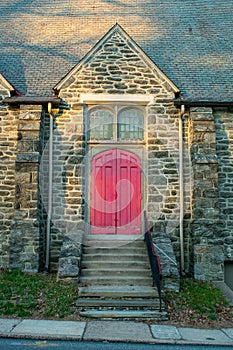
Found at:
[116, 102]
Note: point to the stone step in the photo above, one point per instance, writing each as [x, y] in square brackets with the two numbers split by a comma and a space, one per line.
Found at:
[110, 250]
[131, 257]
[118, 303]
[90, 264]
[125, 314]
[113, 244]
[115, 272]
[115, 280]
[114, 292]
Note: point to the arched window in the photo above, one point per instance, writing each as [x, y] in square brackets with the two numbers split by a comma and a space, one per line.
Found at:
[130, 125]
[116, 124]
[101, 125]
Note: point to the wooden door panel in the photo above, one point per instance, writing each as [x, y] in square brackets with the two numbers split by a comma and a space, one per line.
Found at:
[128, 215]
[116, 193]
[102, 194]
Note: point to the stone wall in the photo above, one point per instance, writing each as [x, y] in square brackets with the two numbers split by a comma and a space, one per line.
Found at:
[25, 232]
[224, 139]
[207, 245]
[8, 143]
[117, 68]
[67, 215]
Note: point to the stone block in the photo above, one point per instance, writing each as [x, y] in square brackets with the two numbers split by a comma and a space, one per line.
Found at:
[70, 251]
[27, 157]
[68, 267]
[29, 126]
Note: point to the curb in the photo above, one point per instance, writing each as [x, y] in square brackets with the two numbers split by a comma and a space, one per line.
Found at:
[113, 331]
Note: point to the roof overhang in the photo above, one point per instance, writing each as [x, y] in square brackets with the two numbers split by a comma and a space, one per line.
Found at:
[6, 83]
[30, 100]
[203, 103]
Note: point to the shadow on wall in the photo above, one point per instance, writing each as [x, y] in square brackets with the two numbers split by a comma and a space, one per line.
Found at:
[67, 184]
[223, 124]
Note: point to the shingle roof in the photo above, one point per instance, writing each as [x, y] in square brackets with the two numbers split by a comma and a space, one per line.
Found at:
[191, 41]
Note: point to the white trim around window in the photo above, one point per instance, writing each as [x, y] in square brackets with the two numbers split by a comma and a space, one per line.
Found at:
[97, 99]
[116, 123]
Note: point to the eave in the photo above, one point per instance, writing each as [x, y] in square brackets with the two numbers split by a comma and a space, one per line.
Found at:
[30, 100]
[203, 103]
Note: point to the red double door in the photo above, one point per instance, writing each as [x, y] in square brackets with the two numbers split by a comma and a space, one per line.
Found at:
[115, 205]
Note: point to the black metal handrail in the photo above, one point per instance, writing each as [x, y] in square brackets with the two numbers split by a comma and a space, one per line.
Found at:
[154, 260]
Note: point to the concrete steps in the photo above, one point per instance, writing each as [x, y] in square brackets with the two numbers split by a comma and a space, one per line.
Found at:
[109, 255]
[119, 250]
[116, 282]
[103, 265]
[117, 271]
[118, 292]
[90, 264]
[118, 303]
[126, 314]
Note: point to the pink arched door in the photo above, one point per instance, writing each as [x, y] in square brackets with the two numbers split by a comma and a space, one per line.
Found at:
[115, 193]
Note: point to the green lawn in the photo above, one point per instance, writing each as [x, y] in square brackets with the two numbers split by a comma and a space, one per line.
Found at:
[198, 303]
[42, 296]
[37, 295]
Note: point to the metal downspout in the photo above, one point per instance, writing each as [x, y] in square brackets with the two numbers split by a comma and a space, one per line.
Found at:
[181, 171]
[50, 193]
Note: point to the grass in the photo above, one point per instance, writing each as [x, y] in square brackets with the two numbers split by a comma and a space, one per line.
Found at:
[37, 295]
[203, 297]
[198, 302]
[41, 296]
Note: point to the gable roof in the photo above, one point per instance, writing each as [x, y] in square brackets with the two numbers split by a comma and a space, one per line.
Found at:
[190, 41]
[117, 30]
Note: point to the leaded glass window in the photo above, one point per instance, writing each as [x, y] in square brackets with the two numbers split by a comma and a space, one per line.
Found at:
[101, 125]
[117, 124]
[130, 125]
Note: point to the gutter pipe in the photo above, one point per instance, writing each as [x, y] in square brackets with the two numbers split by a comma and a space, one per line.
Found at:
[181, 171]
[50, 193]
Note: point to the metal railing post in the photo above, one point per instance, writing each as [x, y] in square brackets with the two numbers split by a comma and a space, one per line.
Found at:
[154, 260]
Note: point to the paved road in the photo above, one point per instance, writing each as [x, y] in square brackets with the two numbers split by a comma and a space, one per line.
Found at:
[18, 344]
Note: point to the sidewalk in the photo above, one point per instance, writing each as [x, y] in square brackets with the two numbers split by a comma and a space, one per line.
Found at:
[123, 331]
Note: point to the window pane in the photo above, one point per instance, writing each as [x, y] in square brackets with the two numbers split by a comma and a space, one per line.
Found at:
[101, 125]
[130, 125]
